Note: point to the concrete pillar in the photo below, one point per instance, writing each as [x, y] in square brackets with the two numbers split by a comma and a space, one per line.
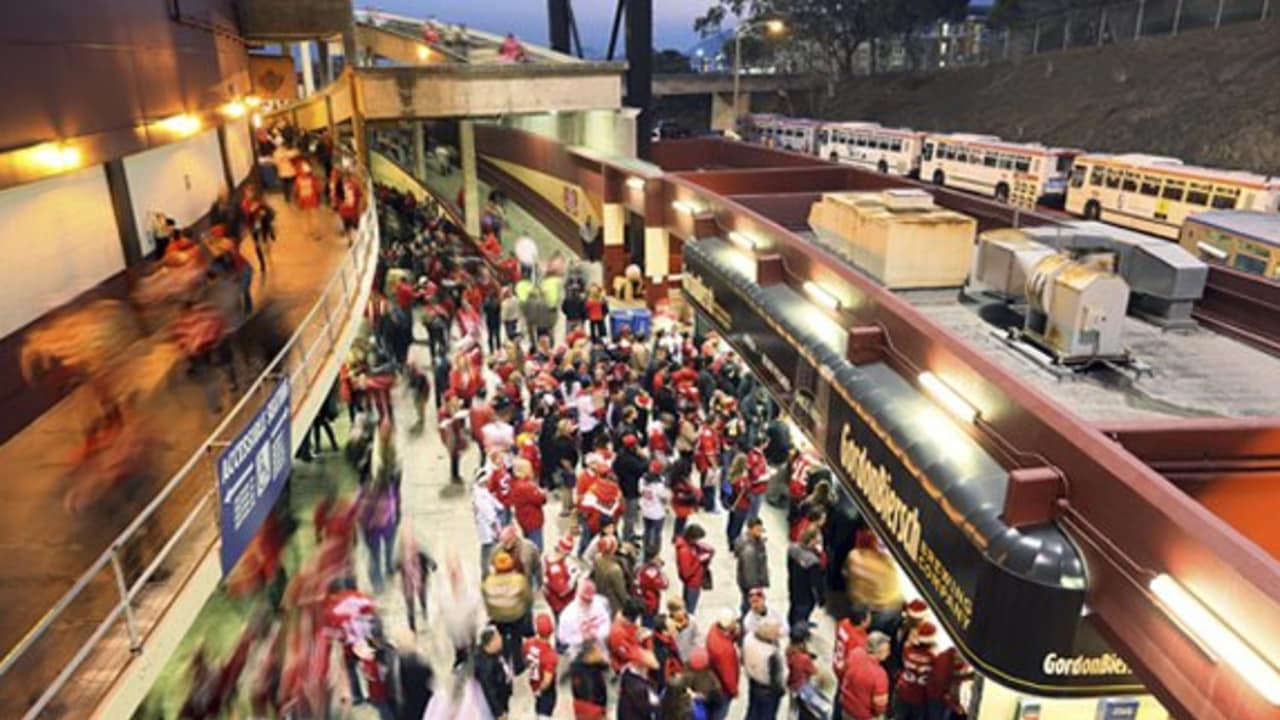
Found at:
[419, 150]
[470, 187]
[723, 115]
[614, 239]
[325, 63]
[657, 254]
[308, 75]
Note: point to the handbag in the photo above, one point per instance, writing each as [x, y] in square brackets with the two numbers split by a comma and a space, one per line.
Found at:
[706, 579]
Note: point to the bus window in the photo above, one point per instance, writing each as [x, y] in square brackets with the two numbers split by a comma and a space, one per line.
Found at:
[1250, 264]
[1078, 174]
[1129, 183]
[823, 136]
[1096, 175]
[1150, 186]
[896, 146]
[1173, 190]
[884, 143]
[1224, 202]
[1113, 179]
[928, 151]
[1064, 162]
[1021, 164]
[989, 160]
[1006, 162]
[1198, 195]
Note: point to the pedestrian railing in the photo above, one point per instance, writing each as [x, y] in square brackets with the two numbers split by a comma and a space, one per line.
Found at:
[67, 663]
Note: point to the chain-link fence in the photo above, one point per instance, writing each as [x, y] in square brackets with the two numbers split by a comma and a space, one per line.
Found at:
[970, 43]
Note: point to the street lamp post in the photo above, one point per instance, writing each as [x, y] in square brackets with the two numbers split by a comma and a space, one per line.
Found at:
[773, 27]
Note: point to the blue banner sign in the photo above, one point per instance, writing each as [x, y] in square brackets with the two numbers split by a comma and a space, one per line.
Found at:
[252, 471]
[1118, 708]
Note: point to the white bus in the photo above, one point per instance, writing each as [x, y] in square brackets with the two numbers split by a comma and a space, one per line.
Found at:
[868, 145]
[1156, 194]
[796, 134]
[1022, 173]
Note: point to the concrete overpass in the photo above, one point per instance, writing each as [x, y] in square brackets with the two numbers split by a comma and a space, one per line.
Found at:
[720, 87]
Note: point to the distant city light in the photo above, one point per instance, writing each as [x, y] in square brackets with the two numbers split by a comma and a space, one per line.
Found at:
[775, 27]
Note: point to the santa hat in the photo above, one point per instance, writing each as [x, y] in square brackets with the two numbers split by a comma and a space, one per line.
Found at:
[565, 545]
[927, 633]
[917, 609]
[643, 401]
[629, 440]
[655, 466]
[544, 625]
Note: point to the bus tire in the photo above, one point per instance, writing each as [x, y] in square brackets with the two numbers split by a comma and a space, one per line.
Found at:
[883, 167]
[1002, 193]
[939, 178]
[1092, 210]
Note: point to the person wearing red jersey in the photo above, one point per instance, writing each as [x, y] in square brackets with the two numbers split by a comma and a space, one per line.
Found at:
[693, 563]
[801, 670]
[910, 697]
[498, 478]
[650, 582]
[625, 642]
[706, 458]
[602, 501]
[541, 658]
[851, 633]
[597, 310]
[864, 687]
[350, 205]
[950, 671]
[559, 576]
[686, 497]
[757, 478]
[722, 648]
[527, 500]
[307, 191]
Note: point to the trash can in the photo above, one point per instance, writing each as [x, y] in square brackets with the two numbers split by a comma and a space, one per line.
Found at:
[641, 322]
[619, 319]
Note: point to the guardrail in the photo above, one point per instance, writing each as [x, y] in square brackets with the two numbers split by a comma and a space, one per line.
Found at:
[108, 615]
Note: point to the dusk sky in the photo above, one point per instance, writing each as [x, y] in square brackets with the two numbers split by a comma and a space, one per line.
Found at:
[673, 19]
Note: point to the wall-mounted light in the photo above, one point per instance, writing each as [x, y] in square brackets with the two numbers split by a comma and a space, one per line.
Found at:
[233, 109]
[947, 398]
[685, 206]
[182, 124]
[821, 296]
[256, 119]
[1203, 625]
[252, 101]
[742, 240]
[54, 156]
[635, 183]
[424, 53]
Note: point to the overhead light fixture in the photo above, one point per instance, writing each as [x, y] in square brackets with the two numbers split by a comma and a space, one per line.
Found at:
[742, 240]
[54, 156]
[824, 298]
[182, 124]
[424, 52]
[233, 109]
[1202, 625]
[635, 183]
[685, 206]
[947, 398]
[252, 101]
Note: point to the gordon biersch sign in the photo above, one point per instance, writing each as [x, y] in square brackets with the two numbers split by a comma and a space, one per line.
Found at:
[1016, 623]
[252, 471]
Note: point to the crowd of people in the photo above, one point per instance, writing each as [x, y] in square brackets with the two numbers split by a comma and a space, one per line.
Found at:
[600, 453]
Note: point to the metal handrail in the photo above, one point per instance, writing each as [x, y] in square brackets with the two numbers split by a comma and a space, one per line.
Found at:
[354, 260]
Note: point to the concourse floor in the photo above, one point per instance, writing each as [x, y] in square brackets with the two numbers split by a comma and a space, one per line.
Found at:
[443, 524]
[44, 547]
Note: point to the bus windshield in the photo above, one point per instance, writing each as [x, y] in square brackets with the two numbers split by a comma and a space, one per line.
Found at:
[1064, 163]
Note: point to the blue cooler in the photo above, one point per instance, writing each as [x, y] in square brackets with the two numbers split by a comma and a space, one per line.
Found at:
[641, 322]
[619, 319]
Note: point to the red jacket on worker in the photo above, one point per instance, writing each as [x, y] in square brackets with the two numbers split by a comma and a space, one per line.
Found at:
[527, 499]
[722, 650]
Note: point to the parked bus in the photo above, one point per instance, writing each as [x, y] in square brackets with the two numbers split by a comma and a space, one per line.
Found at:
[1156, 194]
[795, 134]
[1022, 173]
[868, 145]
[1245, 240]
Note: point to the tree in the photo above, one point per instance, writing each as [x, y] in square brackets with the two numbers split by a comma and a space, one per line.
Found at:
[671, 62]
[833, 29]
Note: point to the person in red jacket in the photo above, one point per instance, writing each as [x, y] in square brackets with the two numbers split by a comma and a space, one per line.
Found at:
[559, 576]
[527, 500]
[307, 191]
[722, 648]
[943, 689]
[624, 641]
[541, 658]
[864, 687]
[693, 562]
[909, 696]
[686, 497]
[650, 582]
[758, 479]
[602, 501]
[851, 632]
[350, 205]
[597, 311]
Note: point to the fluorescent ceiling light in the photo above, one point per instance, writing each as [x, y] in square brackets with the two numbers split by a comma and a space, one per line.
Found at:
[824, 298]
[1203, 625]
[947, 398]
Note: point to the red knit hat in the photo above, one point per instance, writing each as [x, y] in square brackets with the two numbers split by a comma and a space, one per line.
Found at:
[917, 609]
[629, 440]
[544, 625]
